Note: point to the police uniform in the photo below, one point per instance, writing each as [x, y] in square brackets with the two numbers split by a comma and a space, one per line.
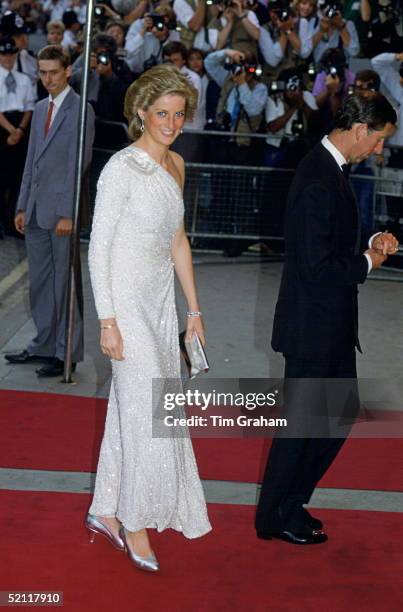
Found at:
[12, 24]
[17, 96]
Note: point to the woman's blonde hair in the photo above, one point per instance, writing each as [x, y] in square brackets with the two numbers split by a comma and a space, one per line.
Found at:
[158, 81]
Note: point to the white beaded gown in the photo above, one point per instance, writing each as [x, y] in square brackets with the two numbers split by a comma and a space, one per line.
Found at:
[145, 481]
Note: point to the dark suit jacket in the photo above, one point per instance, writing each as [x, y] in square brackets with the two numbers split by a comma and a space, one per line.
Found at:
[316, 314]
[49, 175]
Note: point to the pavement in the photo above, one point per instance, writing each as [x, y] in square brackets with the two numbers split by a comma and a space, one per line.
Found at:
[237, 297]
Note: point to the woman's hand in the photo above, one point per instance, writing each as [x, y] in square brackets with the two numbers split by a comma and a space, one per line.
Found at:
[195, 324]
[112, 343]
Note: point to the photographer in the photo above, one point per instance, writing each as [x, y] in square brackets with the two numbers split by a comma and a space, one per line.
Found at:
[384, 21]
[241, 29]
[194, 17]
[279, 42]
[106, 91]
[288, 114]
[242, 98]
[331, 86]
[145, 49]
[333, 31]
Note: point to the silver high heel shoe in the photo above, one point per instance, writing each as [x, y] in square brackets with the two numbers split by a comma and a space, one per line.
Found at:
[149, 564]
[95, 526]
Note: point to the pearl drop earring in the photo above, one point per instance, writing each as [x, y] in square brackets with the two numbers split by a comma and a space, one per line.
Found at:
[142, 124]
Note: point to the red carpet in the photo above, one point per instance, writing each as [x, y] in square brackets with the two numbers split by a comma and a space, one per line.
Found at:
[44, 431]
[45, 547]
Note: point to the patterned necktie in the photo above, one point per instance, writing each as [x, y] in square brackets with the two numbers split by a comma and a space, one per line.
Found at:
[49, 118]
[11, 83]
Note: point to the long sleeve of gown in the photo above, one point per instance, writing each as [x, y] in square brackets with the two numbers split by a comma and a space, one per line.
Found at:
[111, 199]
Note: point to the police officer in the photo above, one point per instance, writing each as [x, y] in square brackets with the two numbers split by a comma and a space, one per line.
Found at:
[17, 101]
[14, 25]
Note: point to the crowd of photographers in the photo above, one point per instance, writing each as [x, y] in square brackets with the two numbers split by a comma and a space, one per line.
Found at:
[271, 67]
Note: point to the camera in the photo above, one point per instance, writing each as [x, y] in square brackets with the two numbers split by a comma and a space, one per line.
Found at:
[242, 67]
[158, 21]
[99, 11]
[293, 83]
[103, 58]
[222, 123]
[276, 87]
[329, 9]
[283, 13]
[297, 128]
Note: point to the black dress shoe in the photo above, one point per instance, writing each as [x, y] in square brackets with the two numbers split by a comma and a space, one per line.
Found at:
[301, 537]
[55, 368]
[311, 521]
[25, 357]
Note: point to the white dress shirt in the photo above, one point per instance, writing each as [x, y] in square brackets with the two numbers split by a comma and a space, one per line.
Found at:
[58, 101]
[340, 159]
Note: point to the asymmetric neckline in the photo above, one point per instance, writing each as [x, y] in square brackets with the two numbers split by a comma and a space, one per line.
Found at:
[142, 151]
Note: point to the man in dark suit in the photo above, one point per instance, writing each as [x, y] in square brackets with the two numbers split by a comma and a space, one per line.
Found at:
[316, 319]
[45, 213]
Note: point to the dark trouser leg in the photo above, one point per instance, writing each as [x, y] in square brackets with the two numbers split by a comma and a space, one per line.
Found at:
[296, 465]
[41, 288]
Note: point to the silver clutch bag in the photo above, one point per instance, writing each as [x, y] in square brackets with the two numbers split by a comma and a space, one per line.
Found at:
[194, 355]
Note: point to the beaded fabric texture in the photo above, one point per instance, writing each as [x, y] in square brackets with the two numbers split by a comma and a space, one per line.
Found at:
[145, 482]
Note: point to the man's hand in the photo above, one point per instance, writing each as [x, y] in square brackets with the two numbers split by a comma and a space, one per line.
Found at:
[229, 14]
[324, 25]
[295, 99]
[236, 56]
[332, 83]
[161, 35]
[284, 26]
[104, 70]
[148, 23]
[93, 61]
[385, 244]
[338, 21]
[19, 222]
[64, 227]
[15, 137]
[377, 258]
[237, 7]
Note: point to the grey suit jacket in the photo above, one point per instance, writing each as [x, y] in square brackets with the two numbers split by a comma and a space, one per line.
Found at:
[49, 174]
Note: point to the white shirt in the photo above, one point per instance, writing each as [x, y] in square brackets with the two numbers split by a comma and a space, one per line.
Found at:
[275, 108]
[69, 40]
[23, 99]
[58, 101]
[55, 10]
[340, 159]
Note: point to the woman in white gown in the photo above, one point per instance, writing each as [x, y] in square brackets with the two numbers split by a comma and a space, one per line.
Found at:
[137, 240]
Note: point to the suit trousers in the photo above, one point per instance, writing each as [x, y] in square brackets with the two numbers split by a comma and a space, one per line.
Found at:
[321, 403]
[48, 270]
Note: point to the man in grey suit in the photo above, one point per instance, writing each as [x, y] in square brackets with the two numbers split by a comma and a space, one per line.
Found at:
[44, 213]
